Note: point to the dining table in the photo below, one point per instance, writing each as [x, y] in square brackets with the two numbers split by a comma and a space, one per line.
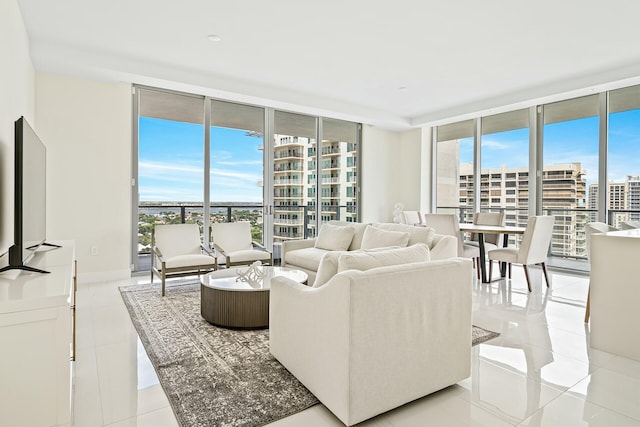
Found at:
[481, 230]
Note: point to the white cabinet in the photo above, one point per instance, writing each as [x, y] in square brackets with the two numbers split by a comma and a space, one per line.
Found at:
[36, 340]
[615, 292]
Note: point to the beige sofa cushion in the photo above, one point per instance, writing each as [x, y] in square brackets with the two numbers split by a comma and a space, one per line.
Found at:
[308, 258]
[334, 237]
[358, 232]
[367, 260]
[328, 267]
[416, 234]
[375, 238]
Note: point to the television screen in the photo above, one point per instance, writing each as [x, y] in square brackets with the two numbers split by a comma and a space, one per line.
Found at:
[30, 196]
[33, 194]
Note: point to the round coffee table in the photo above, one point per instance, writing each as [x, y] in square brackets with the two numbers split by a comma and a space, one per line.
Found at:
[231, 303]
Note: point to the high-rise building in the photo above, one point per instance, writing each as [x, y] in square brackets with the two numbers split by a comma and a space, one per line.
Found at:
[563, 196]
[296, 183]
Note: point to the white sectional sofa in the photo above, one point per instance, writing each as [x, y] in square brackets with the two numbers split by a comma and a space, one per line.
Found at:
[366, 342]
[306, 255]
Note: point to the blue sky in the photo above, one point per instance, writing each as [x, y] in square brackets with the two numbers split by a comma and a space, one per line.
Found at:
[567, 142]
[171, 158]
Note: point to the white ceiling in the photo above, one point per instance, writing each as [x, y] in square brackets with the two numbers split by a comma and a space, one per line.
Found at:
[347, 58]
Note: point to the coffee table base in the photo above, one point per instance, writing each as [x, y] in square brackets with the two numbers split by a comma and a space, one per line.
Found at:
[233, 309]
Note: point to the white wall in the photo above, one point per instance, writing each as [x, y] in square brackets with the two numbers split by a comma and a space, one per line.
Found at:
[86, 126]
[391, 164]
[16, 99]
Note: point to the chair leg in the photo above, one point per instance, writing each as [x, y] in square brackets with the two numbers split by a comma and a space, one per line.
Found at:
[509, 265]
[526, 275]
[163, 282]
[587, 312]
[490, 270]
[477, 262]
[546, 276]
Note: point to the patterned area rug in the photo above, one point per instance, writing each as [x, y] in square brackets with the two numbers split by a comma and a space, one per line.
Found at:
[215, 376]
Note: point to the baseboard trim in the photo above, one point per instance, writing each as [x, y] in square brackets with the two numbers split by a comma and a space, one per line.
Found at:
[104, 276]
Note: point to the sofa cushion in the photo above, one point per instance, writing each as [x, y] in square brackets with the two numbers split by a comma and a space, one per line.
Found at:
[358, 228]
[328, 267]
[375, 237]
[334, 237]
[416, 234]
[368, 260]
[308, 258]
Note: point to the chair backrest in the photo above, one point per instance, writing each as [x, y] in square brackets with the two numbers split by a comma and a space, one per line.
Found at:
[535, 242]
[629, 225]
[412, 217]
[177, 239]
[232, 236]
[488, 218]
[595, 228]
[445, 224]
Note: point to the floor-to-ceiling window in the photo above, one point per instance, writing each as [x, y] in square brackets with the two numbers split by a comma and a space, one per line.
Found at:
[504, 165]
[294, 176]
[339, 171]
[454, 169]
[170, 161]
[236, 164]
[623, 171]
[263, 165]
[570, 165]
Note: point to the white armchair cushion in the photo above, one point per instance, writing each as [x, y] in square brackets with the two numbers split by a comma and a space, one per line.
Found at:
[358, 232]
[375, 238]
[189, 261]
[232, 236]
[367, 260]
[248, 255]
[178, 239]
[334, 237]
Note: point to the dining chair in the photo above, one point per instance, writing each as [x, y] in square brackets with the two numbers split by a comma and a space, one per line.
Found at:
[491, 241]
[533, 248]
[591, 228]
[448, 225]
[177, 250]
[234, 245]
[412, 217]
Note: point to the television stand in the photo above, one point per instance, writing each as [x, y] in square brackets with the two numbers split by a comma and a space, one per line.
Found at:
[23, 268]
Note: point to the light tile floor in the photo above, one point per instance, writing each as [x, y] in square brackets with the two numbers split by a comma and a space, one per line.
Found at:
[539, 372]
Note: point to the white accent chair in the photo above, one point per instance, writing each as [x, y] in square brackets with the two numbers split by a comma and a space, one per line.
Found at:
[369, 341]
[448, 225]
[591, 228]
[233, 244]
[412, 217]
[533, 248]
[177, 250]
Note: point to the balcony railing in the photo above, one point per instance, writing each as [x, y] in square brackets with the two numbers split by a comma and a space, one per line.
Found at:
[151, 214]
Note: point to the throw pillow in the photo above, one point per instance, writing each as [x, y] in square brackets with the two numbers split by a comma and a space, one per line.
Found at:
[367, 260]
[328, 268]
[334, 237]
[375, 238]
[417, 234]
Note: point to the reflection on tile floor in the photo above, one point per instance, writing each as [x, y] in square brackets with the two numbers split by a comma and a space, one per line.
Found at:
[539, 372]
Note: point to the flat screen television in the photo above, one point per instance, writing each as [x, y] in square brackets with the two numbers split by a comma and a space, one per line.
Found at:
[30, 204]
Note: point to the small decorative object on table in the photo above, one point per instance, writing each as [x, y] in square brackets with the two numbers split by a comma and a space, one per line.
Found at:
[252, 274]
[397, 213]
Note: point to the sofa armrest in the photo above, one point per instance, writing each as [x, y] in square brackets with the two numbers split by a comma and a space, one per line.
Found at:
[292, 245]
[444, 247]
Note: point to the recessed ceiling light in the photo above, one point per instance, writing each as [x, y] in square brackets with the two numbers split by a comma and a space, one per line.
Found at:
[214, 38]
[401, 88]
